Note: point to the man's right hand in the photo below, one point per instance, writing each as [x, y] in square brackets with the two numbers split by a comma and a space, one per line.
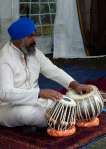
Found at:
[50, 94]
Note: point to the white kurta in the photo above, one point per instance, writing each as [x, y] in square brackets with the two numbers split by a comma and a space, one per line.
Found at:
[68, 41]
[19, 87]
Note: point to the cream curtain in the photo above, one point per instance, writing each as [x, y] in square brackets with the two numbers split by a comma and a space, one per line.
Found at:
[68, 41]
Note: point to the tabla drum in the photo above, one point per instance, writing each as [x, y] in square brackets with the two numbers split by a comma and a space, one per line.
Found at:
[62, 117]
[88, 106]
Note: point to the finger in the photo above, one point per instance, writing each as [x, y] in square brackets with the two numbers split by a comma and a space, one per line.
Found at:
[89, 89]
[55, 98]
[81, 92]
[60, 95]
[86, 90]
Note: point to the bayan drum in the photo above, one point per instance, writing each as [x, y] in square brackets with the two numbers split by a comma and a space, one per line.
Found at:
[62, 117]
[88, 106]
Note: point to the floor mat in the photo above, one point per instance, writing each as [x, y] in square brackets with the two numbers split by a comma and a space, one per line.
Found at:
[14, 138]
[78, 73]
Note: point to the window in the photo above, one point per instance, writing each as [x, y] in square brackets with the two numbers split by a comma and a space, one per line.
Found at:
[41, 11]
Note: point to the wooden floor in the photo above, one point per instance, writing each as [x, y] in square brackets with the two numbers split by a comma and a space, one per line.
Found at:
[98, 63]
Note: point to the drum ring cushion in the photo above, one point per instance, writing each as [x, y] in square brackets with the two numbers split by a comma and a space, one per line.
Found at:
[92, 123]
[61, 133]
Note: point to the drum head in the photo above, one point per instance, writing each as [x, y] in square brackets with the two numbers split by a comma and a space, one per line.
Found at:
[74, 95]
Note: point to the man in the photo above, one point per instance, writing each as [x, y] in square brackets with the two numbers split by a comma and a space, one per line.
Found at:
[21, 100]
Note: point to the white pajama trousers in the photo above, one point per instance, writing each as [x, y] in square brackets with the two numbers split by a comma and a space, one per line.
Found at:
[19, 115]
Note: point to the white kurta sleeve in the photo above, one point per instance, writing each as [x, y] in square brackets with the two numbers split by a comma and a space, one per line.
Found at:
[12, 95]
[53, 72]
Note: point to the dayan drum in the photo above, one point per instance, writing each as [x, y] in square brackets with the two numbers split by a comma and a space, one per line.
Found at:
[88, 106]
[61, 118]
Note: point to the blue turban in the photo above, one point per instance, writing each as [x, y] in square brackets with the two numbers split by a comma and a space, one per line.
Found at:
[21, 28]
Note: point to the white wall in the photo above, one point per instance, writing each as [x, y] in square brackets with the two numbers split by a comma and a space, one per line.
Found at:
[9, 10]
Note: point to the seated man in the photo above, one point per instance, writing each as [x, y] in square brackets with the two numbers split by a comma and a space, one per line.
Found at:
[21, 100]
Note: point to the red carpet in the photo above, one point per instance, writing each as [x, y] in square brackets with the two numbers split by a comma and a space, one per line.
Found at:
[13, 138]
[100, 83]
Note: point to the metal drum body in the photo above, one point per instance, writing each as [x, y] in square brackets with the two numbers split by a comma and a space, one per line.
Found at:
[62, 116]
[88, 106]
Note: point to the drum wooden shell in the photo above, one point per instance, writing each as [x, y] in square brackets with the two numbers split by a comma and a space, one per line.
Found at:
[62, 116]
[88, 106]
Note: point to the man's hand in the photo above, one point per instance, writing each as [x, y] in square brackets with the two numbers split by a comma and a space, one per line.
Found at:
[50, 94]
[80, 88]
